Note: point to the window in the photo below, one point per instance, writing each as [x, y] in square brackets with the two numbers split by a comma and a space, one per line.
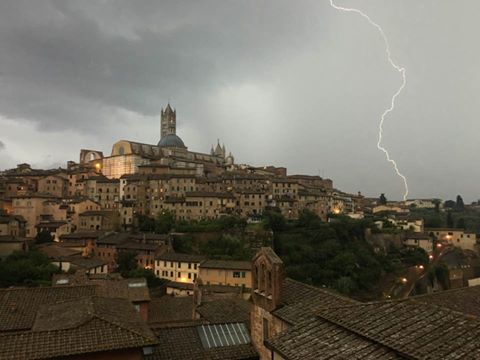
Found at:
[171, 273]
[179, 274]
[179, 265]
[189, 265]
[189, 275]
[243, 274]
[236, 274]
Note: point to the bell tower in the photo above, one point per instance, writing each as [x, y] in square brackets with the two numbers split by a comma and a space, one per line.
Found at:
[267, 276]
[168, 121]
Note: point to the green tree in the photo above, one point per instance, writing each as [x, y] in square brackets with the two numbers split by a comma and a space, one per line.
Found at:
[346, 285]
[126, 262]
[30, 268]
[461, 223]
[164, 222]
[308, 219]
[449, 204]
[437, 203]
[383, 199]
[227, 247]
[441, 273]
[145, 223]
[449, 220]
[459, 205]
[43, 237]
[274, 220]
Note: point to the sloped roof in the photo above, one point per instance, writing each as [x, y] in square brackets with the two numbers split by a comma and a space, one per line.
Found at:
[299, 300]
[79, 327]
[170, 310]
[184, 343]
[225, 310]
[465, 300]
[227, 264]
[18, 307]
[381, 330]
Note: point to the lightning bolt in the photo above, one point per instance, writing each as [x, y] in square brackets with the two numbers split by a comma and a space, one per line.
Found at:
[401, 70]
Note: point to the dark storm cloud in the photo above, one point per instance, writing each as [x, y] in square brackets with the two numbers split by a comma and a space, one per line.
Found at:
[296, 84]
[56, 71]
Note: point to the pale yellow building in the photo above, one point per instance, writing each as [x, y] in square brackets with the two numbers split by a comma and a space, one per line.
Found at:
[178, 267]
[226, 272]
[465, 240]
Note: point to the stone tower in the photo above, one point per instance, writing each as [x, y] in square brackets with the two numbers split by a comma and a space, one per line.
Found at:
[168, 122]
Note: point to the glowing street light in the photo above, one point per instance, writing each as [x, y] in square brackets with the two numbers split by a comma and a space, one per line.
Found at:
[404, 280]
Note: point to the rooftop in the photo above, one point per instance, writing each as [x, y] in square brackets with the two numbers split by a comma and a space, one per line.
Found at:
[226, 264]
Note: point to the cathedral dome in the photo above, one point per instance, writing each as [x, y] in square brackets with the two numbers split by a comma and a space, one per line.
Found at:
[171, 140]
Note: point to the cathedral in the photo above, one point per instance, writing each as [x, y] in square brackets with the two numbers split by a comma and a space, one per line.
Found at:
[127, 157]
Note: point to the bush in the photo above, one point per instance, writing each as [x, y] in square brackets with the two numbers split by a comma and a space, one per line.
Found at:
[30, 268]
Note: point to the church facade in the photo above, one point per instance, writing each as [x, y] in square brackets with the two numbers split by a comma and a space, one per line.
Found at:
[127, 157]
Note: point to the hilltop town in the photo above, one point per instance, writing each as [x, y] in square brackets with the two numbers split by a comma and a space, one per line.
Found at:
[161, 252]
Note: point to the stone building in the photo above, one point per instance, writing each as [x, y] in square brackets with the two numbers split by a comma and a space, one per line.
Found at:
[178, 267]
[226, 272]
[127, 157]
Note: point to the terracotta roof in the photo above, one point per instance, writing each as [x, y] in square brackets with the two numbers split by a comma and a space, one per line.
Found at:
[133, 289]
[82, 235]
[318, 339]
[226, 264]
[79, 326]
[86, 263]
[465, 300]
[184, 343]
[169, 310]
[18, 307]
[300, 300]
[411, 328]
[56, 252]
[225, 310]
[132, 245]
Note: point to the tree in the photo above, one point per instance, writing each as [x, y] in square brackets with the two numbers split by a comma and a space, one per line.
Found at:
[437, 203]
[441, 273]
[461, 223]
[449, 204]
[274, 220]
[383, 199]
[43, 237]
[164, 222]
[307, 218]
[459, 205]
[227, 247]
[450, 223]
[30, 268]
[145, 223]
[126, 262]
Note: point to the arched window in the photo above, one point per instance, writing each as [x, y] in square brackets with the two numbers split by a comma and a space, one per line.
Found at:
[92, 156]
[255, 278]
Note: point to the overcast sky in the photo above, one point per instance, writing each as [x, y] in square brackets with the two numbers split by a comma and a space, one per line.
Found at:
[289, 83]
